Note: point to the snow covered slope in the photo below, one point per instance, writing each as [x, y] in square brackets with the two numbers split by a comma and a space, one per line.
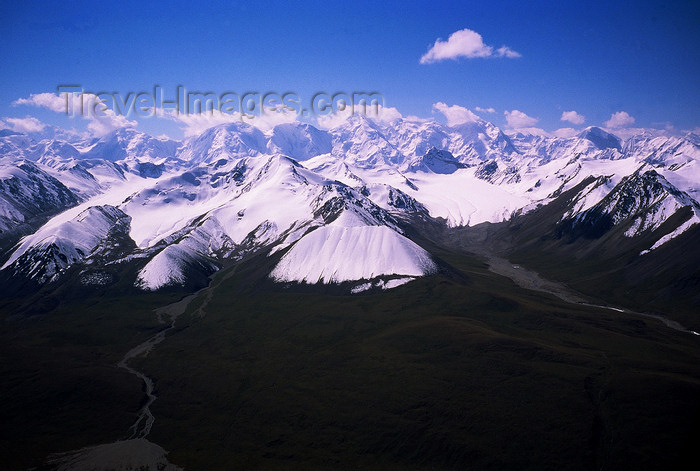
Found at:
[299, 141]
[335, 254]
[642, 201]
[13, 144]
[245, 205]
[42, 257]
[27, 191]
[130, 144]
[233, 140]
[170, 267]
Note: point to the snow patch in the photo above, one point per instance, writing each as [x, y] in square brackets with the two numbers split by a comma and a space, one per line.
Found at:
[383, 284]
[167, 268]
[361, 287]
[388, 284]
[679, 230]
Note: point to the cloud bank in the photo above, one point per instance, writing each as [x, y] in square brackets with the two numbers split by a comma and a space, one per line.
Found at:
[26, 124]
[101, 119]
[385, 114]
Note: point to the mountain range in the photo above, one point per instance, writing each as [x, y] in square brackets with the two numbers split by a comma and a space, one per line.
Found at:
[337, 205]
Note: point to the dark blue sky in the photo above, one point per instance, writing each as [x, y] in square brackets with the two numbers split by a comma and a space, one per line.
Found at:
[596, 58]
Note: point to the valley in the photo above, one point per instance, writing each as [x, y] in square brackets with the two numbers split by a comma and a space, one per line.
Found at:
[382, 295]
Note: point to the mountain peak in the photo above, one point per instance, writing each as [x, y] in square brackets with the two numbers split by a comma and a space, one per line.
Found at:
[132, 144]
[9, 132]
[601, 139]
[300, 141]
[436, 161]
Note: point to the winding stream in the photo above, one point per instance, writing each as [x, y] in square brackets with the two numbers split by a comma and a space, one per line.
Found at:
[144, 422]
[523, 277]
[142, 427]
[136, 452]
[531, 280]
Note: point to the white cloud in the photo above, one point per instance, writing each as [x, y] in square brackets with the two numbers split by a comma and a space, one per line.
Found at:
[573, 117]
[193, 124]
[505, 51]
[54, 102]
[332, 120]
[106, 121]
[667, 125]
[101, 119]
[517, 119]
[619, 120]
[464, 43]
[455, 114]
[565, 132]
[388, 114]
[26, 124]
[529, 130]
[417, 119]
[270, 119]
[485, 110]
[384, 115]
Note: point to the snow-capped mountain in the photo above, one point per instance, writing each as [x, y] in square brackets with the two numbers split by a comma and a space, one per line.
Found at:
[599, 138]
[435, 161]
[246, 204]
[300, 141]
[224, 142]
[129, 144]
[330, 204]
[52, 152]
[641, 202]
[41, 178]
[27, 191]
[43, 255]
[14, 144]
